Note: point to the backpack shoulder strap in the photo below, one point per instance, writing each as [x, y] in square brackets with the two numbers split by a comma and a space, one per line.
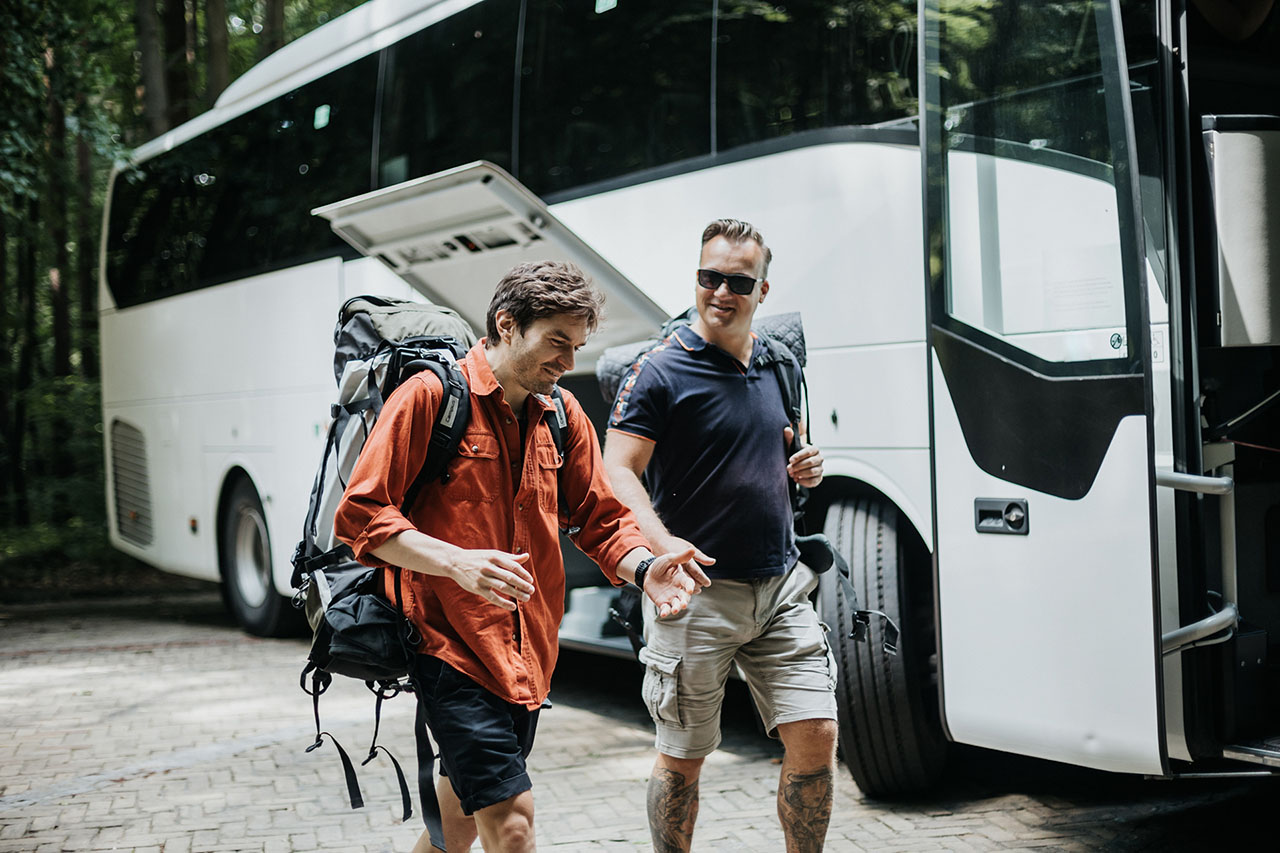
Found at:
[791, 383]
[559, 424]
[452, 417]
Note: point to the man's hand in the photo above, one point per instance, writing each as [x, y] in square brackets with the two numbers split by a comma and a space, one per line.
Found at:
[496, 576]
[675, 577]
[805, 465]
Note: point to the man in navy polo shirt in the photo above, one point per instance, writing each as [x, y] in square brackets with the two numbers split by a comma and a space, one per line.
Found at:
[702, 418]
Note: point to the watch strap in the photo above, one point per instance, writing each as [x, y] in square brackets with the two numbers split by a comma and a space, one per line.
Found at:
[642, 569]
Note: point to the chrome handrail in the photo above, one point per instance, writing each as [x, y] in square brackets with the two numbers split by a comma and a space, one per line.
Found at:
[1195, 483]
[1179, 638]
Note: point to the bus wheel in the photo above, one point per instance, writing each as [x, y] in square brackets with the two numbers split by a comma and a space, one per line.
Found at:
[890, 732]
[245, 554]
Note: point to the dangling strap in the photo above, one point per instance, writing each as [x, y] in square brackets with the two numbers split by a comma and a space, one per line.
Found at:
[386, 690]
[862, 618]
[426, 780]
[320, 683]
[405, 799]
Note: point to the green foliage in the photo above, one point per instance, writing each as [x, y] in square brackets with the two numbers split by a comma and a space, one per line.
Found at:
[78, 60]
[65, 422]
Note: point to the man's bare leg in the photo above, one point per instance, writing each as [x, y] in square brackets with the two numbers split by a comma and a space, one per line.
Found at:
[807, 783]
[459, 828]
[507, 827]
[673, 803]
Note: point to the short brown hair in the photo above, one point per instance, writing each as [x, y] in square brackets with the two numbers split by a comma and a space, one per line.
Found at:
[539, 289]
[737, 231]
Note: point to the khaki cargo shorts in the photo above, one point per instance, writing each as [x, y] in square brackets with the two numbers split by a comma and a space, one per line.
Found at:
[769, 628]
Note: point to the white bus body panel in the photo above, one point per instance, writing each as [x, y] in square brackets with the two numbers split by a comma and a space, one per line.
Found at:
[1045, 652]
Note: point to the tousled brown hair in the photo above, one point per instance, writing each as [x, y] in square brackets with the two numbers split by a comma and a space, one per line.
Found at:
[539, 289]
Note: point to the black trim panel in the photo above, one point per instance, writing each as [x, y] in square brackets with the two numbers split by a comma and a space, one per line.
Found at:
[1041, 432]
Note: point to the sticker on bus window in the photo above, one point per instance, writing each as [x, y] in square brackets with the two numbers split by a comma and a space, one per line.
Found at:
[321, 118]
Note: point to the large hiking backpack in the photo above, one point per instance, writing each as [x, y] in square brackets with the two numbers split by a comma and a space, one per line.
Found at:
[379, 343]
[783, 336]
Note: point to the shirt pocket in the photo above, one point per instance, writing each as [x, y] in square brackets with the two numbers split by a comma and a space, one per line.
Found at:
[473, 476]
[549, 464]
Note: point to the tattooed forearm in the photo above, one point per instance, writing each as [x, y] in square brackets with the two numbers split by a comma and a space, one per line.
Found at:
[804, 808]
[673, 808]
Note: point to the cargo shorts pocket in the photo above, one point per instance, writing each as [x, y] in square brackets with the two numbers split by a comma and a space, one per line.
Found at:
[830, 656]
[661, 689]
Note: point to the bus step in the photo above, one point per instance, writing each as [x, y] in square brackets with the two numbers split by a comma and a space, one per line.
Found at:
[1262, 751]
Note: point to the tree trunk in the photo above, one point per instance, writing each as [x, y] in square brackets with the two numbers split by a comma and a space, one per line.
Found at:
[177, 71]
[273, 27]
[6, 381]
[59, 283]
[26, 343]
[219, 67]
[155, 94]
[87, 258]
[57, 206]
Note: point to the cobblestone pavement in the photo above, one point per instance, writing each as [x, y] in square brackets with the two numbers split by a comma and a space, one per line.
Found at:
[155, 725]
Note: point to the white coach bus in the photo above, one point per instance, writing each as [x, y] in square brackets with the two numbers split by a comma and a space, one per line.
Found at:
[1035, 246]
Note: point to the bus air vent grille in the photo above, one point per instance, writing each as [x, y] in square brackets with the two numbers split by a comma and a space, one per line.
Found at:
[132, 483]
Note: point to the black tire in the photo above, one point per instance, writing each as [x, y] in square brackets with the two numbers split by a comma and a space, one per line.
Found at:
[891, 735]
[247, 571]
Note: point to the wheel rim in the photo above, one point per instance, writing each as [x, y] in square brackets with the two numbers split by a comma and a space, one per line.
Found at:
[252, 564]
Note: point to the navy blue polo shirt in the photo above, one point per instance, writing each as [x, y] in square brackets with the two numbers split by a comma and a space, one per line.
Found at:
[718, 475]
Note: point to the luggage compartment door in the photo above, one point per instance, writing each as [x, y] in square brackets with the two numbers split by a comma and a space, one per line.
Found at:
[1040, 371]
[454, 234]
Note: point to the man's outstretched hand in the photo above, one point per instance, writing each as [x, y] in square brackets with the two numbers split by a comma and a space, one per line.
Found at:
[674, 578]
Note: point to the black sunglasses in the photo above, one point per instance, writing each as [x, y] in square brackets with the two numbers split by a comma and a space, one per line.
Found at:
[739, 284]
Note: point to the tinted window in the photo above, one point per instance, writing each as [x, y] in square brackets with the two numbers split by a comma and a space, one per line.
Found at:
[807, 64]
[1035, 239]
[448, 94]
[611, 92]
[238, 199]
[1026, 73]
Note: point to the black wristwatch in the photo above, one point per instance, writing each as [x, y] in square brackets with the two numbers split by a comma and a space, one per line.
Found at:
[642, 569]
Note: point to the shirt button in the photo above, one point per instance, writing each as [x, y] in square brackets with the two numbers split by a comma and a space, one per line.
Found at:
[508, 421]
[475, 448]
[520, 507]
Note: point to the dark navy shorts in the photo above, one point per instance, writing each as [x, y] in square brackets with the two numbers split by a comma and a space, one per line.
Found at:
[483, 740]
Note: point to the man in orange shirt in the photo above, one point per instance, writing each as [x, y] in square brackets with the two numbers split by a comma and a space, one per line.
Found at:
[483, 577]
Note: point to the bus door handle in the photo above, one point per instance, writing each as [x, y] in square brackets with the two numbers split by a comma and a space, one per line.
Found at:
[1001, 515]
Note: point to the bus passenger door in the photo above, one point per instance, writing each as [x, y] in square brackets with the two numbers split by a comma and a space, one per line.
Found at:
[1040, 371]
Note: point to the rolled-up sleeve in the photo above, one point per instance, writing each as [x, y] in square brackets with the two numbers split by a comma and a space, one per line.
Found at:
[608, 530]
[370, 512]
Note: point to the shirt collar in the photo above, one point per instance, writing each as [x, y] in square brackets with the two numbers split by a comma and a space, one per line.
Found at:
[693, 342]
[484, 383]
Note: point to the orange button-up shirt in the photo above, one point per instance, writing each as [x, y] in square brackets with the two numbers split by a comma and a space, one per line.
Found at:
[499, 495]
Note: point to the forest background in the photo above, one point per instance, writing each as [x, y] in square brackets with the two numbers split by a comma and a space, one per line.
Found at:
[82, 82]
